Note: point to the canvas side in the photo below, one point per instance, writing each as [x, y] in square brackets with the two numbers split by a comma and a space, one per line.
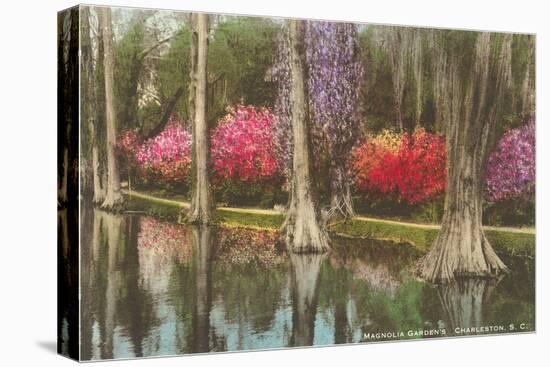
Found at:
[68, 182]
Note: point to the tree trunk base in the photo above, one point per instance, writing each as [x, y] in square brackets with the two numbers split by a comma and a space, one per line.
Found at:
[341, 208]
[113, 202]
[457, 255]
[304, 235]
[196, 216]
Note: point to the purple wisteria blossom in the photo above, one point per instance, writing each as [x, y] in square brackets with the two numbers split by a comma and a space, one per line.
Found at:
[511, 166]
[335, 72]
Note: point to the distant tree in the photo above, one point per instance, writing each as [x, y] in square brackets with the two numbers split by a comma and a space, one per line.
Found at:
[200, 211]
[477, 79]
[113, 196]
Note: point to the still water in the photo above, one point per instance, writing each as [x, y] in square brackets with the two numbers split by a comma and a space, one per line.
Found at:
[152, 288]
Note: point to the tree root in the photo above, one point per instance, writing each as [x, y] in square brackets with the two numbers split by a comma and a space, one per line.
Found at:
[443, 263]
[113, 202]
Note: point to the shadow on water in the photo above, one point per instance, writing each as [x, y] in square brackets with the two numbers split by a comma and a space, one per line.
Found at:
[151, 287]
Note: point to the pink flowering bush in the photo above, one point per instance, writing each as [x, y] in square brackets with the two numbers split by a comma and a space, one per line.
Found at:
[242, 146]
[511, 166]
[166, 157]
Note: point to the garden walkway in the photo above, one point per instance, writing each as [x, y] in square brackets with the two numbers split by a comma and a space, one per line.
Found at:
[528, 230]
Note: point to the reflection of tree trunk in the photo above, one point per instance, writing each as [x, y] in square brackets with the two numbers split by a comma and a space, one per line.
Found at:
[305, 278]
[137, 314]
[341, 327]
[463, 301]
[113, 197]
[87, 282]
[200, 211]
[112, 227]
[202, 242]
[302, 225]
[472, 110]
[68, 276]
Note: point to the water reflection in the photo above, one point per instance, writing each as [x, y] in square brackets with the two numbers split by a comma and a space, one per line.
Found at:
[157, 288]
[202, 245]
[305, 280]
[463, 302]
[67, 282]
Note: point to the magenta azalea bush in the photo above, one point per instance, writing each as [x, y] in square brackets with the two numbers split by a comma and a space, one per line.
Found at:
[511, 166]
[166, 157]
[242, 146]
[241, 150]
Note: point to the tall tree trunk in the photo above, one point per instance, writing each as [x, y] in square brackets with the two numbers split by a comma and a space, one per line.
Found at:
[417, 63]
[305, 280]
[475, 104]
[302, 225]
[89, 110]
[528, 85]
[200, 211]
[396, 43]
[113, 197]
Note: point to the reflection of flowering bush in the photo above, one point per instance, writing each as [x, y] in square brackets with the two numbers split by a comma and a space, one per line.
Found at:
[166, 240]
[240, 246]
[242, 146]
[511, 166]
[413, 170]
[167, 155]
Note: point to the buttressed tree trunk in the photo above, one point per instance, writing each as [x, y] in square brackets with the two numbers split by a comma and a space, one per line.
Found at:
[113, 197]
[474, 106]
[302, 224]
[200, 211]
[341, 203]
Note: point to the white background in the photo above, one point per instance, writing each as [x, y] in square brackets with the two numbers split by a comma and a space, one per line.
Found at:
[28, 189]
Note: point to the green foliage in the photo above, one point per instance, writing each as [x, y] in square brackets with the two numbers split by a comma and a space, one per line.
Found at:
[128, 69]
[241, 52]
[174, 69]
[249, 194]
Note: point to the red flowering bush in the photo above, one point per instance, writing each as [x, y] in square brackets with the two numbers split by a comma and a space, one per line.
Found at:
[414, 172]
[242, 146]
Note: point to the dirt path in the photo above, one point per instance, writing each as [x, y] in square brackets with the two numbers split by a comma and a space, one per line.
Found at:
[362, 218]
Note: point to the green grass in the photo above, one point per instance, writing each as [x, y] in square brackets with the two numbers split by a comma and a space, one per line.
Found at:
[171, 210]
[421, 238]
[508, 243]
